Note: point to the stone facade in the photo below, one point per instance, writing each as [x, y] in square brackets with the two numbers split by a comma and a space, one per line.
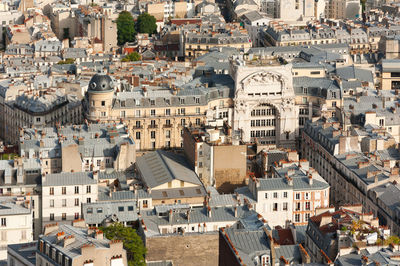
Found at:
[188, 249]
[265, 109]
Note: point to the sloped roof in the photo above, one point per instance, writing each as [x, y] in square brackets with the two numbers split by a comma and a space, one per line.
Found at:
[160, 167]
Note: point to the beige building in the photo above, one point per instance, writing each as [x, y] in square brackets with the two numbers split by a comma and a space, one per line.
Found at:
[216, 157]
[390, 78]
[199, 41]
[168, 179]
[162, 10]
[78, 245]
[156, 117]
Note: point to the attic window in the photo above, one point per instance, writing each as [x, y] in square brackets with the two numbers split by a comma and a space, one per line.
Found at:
[198, 191]
[181, 192]
[164, 193]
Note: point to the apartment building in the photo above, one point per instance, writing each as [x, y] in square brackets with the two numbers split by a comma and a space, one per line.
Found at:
[15, 223]
[78, 245]
[170, 9]
[20, 179]
[333, 233]
[343, 9]
[390, 78]
[64, 193]
[292, 195]
[182, 234]
[354, 162]
[79, 148]
[39, 108]
[168, 179]
[197, 40]
[156, 116]
[216, 156]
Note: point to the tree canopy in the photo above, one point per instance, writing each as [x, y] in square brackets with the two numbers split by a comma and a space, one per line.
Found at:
[134, 56]
[125, 28]
[133, 244]
[146, 24]
[66, 61]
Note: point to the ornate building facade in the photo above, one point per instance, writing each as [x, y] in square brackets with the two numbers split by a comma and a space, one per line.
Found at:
[264, 105]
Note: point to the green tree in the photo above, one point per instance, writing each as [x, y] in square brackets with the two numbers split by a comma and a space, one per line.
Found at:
[125, 28]
[67, 61]
[133, 244]
[135, 56]
[146, 24]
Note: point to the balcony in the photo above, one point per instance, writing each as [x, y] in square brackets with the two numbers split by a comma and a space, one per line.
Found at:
[137, 127]
[152, 126]
[167, 126]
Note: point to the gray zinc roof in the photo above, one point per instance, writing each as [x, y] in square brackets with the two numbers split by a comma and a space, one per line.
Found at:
[160, 167]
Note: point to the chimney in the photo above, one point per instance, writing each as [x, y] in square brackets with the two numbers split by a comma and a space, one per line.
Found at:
[310, 180]
[235, 211]
[96, 175]
[60, 236]
[48, 228]
[41, 143]
[188, 216]
[209, 211]
[170, 216]
[99, 235]
[69, 240]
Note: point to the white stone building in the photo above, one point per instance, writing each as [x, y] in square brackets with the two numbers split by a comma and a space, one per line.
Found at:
[15, 223]
[64, 193]
[265, 110]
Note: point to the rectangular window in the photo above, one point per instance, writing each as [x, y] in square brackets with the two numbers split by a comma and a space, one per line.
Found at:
[64, 216]
[297, 218]
[285, 195]
[297, 196]
[76, 216]
[130, 208]
[275, 195]
[122, 113]
[88, 200]
[152, 112]
[197, 110]
[275, 207]
[168, 134]
[308, 206]
[307, 217]
[152, 102]
[99, 210]
[167, 112]
[121, 208]
[76, 202]
[52, 203]
[64, 203]
[137, 113]
[51, 216]
[76, 190]
[89, 210]
[51, 191]
[266, 195]
[137, 135]
[285, 206]
[103, 103]
[153, 134]
[88, 189]
[298, 206]
[3, 221]
[197, 100]
[63, 190]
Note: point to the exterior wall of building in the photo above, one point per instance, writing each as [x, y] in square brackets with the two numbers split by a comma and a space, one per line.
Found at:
[229, 167]
[102, 256]
[55, 205]
[203, 249]
[265, 94]
[154, 130]
[14, 229]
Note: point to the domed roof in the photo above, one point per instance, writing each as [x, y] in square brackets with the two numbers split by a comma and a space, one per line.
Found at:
[100, 83]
